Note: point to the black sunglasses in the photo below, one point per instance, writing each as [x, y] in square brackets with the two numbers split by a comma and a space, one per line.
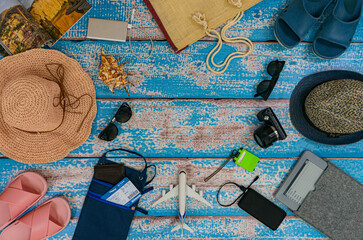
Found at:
[123, 115]
[264, 89]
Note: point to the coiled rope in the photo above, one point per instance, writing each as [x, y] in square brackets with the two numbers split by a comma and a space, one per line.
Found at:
[200, 19]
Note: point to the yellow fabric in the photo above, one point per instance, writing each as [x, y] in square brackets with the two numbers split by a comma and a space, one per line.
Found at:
[177, 17]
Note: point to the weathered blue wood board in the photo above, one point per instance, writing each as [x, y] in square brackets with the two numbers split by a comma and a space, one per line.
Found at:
[167, 75]
[201, 128]
[211, 227]
[72, 176]
[187, 118]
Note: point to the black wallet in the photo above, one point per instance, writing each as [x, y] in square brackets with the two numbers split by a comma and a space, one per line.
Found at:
[110, 173]
[262, 209]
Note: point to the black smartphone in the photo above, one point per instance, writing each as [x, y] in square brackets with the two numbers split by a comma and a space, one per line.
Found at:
[262, 209]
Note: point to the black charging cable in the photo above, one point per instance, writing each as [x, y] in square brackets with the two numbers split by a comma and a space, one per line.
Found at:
[244, 190]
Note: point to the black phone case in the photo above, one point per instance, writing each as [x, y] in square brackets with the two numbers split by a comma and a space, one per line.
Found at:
[262, 209]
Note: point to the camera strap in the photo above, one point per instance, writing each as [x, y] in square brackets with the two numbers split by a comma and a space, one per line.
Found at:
[218, 170]
[233, 154]
[244, 190]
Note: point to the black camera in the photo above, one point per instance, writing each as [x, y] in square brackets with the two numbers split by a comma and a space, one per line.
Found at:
[269, 132]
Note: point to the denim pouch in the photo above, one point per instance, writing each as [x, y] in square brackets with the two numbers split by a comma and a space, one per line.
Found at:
[101, 219]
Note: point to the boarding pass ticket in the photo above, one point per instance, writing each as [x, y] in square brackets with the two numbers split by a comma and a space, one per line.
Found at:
[124, 193]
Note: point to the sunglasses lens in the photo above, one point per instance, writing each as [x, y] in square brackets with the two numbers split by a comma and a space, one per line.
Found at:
[109, 133]
[263, 87]
[275, 67]
[124, 113]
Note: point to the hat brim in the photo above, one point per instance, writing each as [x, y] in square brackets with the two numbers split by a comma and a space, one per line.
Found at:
[297, 107]
[76, 125]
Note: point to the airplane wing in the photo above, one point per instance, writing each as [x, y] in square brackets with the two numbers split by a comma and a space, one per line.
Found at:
[195, 195]
[172, 193]
[179, 226]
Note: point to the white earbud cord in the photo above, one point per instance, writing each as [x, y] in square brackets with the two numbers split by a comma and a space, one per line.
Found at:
[130, 45]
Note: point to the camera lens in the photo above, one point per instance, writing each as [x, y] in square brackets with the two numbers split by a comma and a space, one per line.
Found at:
[266, 135]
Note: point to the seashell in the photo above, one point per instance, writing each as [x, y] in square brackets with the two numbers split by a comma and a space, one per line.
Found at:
[112, 73]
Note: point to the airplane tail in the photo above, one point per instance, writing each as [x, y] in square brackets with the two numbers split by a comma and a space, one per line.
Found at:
[184, 226]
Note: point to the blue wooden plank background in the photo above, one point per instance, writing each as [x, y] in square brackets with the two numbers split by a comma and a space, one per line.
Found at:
[167, 75]
[188, 118]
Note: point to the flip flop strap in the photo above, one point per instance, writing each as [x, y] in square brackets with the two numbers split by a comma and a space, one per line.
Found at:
[38, 220]
[17, 199]
[336, 31]
[298, 18]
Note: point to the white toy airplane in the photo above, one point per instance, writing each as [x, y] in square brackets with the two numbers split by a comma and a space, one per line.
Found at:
[182, 190]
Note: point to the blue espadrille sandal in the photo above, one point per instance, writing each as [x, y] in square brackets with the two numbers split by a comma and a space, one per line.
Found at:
[336, 33]
[297, 19]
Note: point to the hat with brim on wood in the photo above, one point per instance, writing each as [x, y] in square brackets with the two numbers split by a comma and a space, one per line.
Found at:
[47, 106]
[327, 107]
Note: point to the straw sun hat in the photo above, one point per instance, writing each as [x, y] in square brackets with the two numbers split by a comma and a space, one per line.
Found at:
[47, 105]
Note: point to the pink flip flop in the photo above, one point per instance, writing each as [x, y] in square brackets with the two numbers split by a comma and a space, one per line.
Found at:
[21, 193]
[45, 221]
